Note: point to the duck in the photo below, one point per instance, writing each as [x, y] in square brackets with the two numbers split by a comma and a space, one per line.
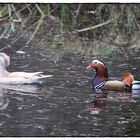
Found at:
[101, 79]
[15, 78]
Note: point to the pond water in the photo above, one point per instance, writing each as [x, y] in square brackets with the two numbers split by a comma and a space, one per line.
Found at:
[66, 105]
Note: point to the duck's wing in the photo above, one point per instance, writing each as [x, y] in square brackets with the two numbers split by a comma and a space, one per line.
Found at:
[24, 78]
[27, 75]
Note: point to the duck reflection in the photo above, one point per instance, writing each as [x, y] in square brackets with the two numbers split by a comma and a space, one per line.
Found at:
[26, 90]
[4, 101]
[99, 104]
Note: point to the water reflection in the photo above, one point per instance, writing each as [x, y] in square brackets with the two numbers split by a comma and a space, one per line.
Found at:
[4, 101]
[5, 90]
[101, 100]
[99, 103]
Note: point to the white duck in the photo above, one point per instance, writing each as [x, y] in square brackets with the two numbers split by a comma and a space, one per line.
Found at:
[18, 77]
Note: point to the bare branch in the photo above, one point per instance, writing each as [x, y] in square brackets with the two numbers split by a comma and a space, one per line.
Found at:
[39, 24]
[14, 9]
[78, 10]
[97, 26]
[41, 12]
[11, 18]
[35, 31]
[4, 20]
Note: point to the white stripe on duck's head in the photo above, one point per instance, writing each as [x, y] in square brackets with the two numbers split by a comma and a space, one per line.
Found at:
[100, 68]
[95, 64]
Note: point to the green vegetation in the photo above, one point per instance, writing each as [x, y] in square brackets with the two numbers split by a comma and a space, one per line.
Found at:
[115, 24]
[4, 10]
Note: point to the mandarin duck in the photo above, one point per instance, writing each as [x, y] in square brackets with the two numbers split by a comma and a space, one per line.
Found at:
[18, 77]
[101, 80]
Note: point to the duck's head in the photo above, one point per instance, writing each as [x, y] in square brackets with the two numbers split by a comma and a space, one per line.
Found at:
[101, 70]
[101, 73]
[127, 78]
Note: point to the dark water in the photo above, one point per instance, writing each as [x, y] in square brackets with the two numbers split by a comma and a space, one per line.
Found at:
[66, 105]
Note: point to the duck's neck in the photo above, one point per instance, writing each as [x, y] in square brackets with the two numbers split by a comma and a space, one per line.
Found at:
[102, 72]
[100, 77]
[2, 68]
[3, 71]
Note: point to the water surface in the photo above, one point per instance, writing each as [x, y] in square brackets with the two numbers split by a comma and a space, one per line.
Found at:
[66, 105]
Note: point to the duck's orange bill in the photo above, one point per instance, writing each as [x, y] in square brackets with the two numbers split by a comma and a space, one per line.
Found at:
[90, 66]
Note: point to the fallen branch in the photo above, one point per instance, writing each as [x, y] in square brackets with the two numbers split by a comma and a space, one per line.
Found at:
[78, 10]
[35, 31]
[11, 18]
[4, 20]
[39, 24]
[96, 26]
[3, 34]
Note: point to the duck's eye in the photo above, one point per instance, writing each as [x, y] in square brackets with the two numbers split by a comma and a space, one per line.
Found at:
[95, 62]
